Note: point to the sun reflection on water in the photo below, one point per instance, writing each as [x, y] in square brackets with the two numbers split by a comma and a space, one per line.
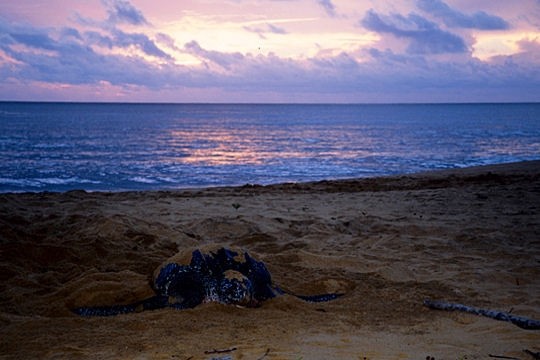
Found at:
[251, 146]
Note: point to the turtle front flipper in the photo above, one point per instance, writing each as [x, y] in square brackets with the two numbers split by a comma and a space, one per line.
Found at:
[263, 287]
[260, 279]
[182, 285]
[152, 303]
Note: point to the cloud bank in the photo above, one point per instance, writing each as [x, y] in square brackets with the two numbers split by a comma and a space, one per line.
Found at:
[453, 18]
[422, 55]
[425, 36]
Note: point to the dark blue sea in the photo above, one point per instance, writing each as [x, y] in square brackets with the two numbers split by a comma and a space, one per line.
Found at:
[114, 147]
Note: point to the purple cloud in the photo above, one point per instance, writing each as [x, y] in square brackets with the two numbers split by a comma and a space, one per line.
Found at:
[328, 6]
[425, 36]
[33, 39]
[224, 60]
[167, 41]
[141, 41]
[453, 18]
[121, 11]
[71, 59]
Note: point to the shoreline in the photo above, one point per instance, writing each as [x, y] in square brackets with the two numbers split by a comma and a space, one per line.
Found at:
[339, 182]
[462, 235]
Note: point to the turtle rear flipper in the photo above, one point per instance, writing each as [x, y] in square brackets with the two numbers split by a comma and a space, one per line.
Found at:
[310, 298]
[318, 298]
[152, 303]
[104, 310]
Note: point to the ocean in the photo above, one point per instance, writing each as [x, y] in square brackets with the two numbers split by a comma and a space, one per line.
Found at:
[117, 147]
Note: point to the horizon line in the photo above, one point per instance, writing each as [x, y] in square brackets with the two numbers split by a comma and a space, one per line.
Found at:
[262, 103]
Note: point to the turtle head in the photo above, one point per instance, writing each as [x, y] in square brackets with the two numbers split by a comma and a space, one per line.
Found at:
[235, 288]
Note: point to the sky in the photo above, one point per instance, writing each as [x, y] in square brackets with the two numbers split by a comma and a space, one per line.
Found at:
[270, 51]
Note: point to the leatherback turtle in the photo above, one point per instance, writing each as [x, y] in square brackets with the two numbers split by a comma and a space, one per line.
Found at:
[221, 276]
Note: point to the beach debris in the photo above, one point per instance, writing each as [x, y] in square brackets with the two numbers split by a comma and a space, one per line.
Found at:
[535, 355]
[264, 355]
[236, 206]
[522, 322]
[215, 351]
[226, 357]
[503, 357]
[221, 276]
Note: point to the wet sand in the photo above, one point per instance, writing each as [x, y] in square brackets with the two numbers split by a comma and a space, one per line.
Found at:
[470, 236]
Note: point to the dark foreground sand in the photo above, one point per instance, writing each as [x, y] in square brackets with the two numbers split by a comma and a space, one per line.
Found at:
[470, 236]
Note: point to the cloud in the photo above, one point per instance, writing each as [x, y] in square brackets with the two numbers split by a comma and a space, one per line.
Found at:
[276, 30]
[109, 35]
[381, 76]
[223, 59]
[68, 32]
[268, 28]
[121, 11]
[141, 41]
[425, 36]
[453, 18]
[97, 38]
[328, 6]
[71, 57]
[167, 41]
[115, 38]
[529, 53]
[39, 41]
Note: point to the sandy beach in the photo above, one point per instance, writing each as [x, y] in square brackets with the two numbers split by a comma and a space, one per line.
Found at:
[470, 236]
